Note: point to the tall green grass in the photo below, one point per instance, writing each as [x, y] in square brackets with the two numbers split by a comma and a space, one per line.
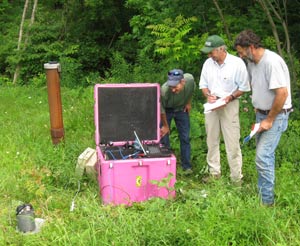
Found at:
[34, 171]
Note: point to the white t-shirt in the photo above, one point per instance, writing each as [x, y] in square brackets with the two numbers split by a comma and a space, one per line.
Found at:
[223, 80]
[270, 73]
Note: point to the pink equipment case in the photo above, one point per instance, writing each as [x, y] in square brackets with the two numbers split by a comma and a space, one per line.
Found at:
[124, 174]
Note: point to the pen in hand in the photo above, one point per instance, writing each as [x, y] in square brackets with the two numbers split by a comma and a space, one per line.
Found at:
[211, 98]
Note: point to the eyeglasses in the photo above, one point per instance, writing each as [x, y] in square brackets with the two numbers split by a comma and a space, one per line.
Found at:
[176, 73]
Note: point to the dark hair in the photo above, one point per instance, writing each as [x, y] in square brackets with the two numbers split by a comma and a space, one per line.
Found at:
[246, 38]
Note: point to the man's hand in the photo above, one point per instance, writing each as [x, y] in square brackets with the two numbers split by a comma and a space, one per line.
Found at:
[187, 107]
[211, 98]
[164, 130]
[165, 126]
[280, 96]
[265, 125]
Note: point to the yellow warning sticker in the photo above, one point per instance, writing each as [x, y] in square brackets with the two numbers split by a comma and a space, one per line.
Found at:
[138, 181]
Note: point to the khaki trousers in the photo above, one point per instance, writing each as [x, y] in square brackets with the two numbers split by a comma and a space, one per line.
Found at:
[224, 121]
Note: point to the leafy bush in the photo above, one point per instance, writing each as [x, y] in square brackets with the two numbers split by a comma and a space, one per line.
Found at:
[142, 72]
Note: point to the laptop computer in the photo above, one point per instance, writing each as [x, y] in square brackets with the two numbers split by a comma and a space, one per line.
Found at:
[153, 150]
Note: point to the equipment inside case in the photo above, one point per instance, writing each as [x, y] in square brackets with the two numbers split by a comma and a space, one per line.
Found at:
[130, 152]
[124, 112]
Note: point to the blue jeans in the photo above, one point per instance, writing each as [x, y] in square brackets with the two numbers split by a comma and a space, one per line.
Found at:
[266, 144]
[182, 121]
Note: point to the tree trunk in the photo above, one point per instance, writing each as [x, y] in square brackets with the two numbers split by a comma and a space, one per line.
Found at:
[17, 71]
[31, 21]
[283, 19]
[226, 29]
[16, 74]
[266, 4]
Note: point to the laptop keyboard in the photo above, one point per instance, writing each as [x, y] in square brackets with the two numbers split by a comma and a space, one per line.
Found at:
[153, 149]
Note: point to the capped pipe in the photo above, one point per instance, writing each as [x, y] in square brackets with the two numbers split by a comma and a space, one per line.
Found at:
[25, 218]
[53, 70]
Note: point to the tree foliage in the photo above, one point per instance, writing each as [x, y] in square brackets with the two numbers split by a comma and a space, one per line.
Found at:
[89, 36]
[173, 42]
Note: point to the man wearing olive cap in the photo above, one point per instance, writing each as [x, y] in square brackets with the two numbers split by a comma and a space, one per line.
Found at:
[176, 96]
[224, 77]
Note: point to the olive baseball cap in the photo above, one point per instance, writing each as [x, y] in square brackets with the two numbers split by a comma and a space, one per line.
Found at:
[211, 43]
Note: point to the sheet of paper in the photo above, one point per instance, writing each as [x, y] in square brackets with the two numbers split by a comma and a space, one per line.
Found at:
[209, 107]
[254, 130]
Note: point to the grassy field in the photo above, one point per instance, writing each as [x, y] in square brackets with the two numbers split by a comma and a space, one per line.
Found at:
[34, 171]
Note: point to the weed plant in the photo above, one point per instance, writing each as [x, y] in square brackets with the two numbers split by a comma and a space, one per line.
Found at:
[35, 171]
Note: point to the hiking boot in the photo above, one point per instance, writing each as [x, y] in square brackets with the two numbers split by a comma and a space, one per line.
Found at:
[187, 171]
[211, 178]
[268, 205]
[237, 183]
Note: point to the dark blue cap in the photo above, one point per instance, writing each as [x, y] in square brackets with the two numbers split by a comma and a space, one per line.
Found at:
[174, 77]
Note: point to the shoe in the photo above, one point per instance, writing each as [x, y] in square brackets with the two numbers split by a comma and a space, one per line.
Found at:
[188, 171]
[237, 183]
[211, 178]
[268, 205]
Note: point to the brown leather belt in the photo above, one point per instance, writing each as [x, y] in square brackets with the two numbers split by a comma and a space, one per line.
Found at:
[266, 112]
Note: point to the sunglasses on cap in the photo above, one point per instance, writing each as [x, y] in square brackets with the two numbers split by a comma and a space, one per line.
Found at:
[176, 73]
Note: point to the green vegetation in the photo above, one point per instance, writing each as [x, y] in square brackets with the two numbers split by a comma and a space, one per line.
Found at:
[36, 172]
[124, 42]
[144, 38]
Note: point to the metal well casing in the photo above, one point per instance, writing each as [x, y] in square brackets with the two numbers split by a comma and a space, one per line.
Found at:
[54, 99]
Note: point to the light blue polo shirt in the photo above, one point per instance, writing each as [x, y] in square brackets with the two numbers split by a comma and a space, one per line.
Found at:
[222, 80]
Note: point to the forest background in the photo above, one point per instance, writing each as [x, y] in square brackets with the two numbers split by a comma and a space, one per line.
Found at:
[123, 42]
[133, 40]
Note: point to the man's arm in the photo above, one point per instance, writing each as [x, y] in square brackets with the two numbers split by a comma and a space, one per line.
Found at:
[233, 96]
[188, 106]
[281, 95]
[165, 127]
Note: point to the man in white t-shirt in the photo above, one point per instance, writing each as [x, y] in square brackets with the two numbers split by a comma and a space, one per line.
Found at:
[223, 76]
[271, 97]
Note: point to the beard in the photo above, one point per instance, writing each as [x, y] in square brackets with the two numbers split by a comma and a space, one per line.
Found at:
[249, 56]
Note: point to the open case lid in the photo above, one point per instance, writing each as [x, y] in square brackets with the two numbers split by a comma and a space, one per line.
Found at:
[121, 109]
